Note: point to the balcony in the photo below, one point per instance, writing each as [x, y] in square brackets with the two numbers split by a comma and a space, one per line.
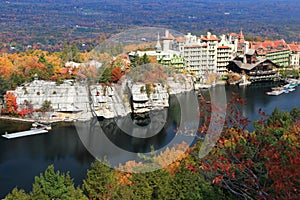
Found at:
[263, 73]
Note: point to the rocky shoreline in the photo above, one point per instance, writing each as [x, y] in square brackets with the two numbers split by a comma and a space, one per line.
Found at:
[71, 101]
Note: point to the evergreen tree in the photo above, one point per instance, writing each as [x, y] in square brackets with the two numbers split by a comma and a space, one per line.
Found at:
[295, 114]
[105, 75]
[55, 185]
[50, 68]
[42, 58]
[17, 194]
[103, 47]
[119, 48]
[100, 182]
[152, 185]
[75, 53]
[190, 185]
[65, 54]
[145, 59]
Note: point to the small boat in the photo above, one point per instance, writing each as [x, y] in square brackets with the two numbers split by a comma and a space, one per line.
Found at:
[48, 127]
[293, 85]
[277, 88]
[292, 89]
[34, 126]
[275, 92]
[38, 125]
[286, 85]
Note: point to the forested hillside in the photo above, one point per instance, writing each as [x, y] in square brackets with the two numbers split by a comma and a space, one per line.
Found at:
[48, 24]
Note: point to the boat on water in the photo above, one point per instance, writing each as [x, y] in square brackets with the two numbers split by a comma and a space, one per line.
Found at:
[38, 125]
[283, 89]
[275, 92]
[277, 88]
[293, 85]
[292, 89]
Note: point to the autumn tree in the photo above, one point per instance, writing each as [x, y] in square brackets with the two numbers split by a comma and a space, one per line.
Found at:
[7, 67]
[11, 105]
[116, 74]
[263, 164]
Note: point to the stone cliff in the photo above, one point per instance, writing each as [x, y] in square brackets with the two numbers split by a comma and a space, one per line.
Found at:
[74, 100]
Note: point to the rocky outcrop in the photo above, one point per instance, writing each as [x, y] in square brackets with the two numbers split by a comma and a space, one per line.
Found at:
[106, 101]
[147, 97]
[110, 101]
[180, 83]
[68, 97]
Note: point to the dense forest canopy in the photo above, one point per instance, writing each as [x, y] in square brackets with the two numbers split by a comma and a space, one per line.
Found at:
[48, 24]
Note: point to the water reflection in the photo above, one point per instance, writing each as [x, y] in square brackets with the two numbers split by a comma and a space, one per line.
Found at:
[23, 158]
[120, 140]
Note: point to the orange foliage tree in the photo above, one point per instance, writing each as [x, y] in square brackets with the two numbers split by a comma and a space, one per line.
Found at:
[11, 105]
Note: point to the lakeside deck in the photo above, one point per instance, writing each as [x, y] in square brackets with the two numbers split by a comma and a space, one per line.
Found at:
[24, 133]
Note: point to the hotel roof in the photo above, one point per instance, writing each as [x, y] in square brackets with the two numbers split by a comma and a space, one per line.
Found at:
[223, 47]
[294, 47]
[269, 46]
[247, 66]
[209, 37]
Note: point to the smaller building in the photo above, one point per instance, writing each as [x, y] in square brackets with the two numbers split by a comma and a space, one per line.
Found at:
[277, 51]
[170, 59]
[295, 55]
[255, 69]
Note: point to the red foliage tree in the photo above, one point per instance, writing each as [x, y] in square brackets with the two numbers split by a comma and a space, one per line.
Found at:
[116, 74]
[263, 164]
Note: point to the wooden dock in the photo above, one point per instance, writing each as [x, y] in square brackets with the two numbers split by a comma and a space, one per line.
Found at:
[24, 133]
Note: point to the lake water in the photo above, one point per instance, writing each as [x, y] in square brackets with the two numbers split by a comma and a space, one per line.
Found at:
[23, 158]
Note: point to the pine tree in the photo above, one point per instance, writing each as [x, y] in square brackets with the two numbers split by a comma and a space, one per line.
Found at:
[17, 194]
[54, 185]
[65, 55]
[100, 182]
[75, 54]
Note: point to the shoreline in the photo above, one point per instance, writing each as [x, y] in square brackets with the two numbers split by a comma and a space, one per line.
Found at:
[71, 120]
[29, 120]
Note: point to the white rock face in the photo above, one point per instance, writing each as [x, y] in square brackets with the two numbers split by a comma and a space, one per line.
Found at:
[155, 98]
[69, 96]
[105, 101]
[180, 84]
[66, 97]
[110, 101]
